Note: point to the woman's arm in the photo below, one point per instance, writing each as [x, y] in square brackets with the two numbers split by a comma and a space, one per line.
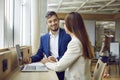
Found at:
[74, 51]
[102, 48]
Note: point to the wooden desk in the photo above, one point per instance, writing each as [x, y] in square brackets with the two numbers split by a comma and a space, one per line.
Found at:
[18, 75]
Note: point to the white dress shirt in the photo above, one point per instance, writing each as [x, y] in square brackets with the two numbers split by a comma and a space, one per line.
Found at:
[54, 44]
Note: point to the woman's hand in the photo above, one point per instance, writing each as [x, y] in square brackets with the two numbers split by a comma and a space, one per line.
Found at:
[52, 59]
[49, 59]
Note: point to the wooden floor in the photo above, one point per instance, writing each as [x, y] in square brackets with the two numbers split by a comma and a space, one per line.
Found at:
[114, 72]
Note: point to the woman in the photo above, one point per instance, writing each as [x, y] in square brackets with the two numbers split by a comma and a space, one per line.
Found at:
[79, 52]
[104, 53]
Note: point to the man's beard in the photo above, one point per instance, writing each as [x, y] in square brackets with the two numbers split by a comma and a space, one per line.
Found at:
[55, 30]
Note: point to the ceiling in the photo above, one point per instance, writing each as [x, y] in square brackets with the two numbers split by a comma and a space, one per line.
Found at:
[106, 24]
[84, 6]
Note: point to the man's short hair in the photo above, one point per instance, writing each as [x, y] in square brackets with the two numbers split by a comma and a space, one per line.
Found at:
[50, 13]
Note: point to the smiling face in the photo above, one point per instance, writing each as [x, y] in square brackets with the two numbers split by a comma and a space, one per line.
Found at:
[53, 23]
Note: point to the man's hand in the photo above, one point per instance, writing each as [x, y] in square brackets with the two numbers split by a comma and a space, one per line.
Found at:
[27, 60]
[51, 59]
[44, 60]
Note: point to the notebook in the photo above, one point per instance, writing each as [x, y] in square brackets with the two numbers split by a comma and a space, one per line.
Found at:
[29, 67]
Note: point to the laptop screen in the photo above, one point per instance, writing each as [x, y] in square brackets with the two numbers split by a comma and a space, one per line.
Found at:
[29, 67]
[19, 54]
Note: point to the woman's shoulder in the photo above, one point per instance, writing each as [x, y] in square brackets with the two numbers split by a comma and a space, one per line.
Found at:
[75, 40]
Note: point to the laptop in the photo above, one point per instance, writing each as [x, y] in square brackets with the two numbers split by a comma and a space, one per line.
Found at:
[28, 67]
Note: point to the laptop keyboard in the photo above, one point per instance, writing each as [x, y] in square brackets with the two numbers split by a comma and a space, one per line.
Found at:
[35, 68]
[30, 68]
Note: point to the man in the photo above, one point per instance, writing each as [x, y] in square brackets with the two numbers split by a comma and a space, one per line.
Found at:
[53, 44]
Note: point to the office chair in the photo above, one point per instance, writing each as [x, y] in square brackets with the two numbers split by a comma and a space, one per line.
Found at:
[99, 69]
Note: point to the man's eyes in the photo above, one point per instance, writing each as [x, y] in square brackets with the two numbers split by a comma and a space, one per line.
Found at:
[53, 21]
[50, 22]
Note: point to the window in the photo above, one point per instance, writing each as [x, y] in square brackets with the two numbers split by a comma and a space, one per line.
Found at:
[15, 22]
[22, 22]
[8, 24]
[1, 23]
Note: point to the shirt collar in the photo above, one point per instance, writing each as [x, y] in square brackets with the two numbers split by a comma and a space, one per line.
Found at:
[55, 34]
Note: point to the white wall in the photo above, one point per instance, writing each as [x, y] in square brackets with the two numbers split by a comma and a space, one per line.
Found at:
[43, 11]
[38, 22]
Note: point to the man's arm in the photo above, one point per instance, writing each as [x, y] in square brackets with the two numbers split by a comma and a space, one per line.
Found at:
[37, 57]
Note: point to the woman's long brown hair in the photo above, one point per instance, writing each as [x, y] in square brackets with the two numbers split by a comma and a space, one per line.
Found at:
[107, 43]
[75, 25]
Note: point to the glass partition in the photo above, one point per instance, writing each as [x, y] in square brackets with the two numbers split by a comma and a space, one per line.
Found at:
[103, 28]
